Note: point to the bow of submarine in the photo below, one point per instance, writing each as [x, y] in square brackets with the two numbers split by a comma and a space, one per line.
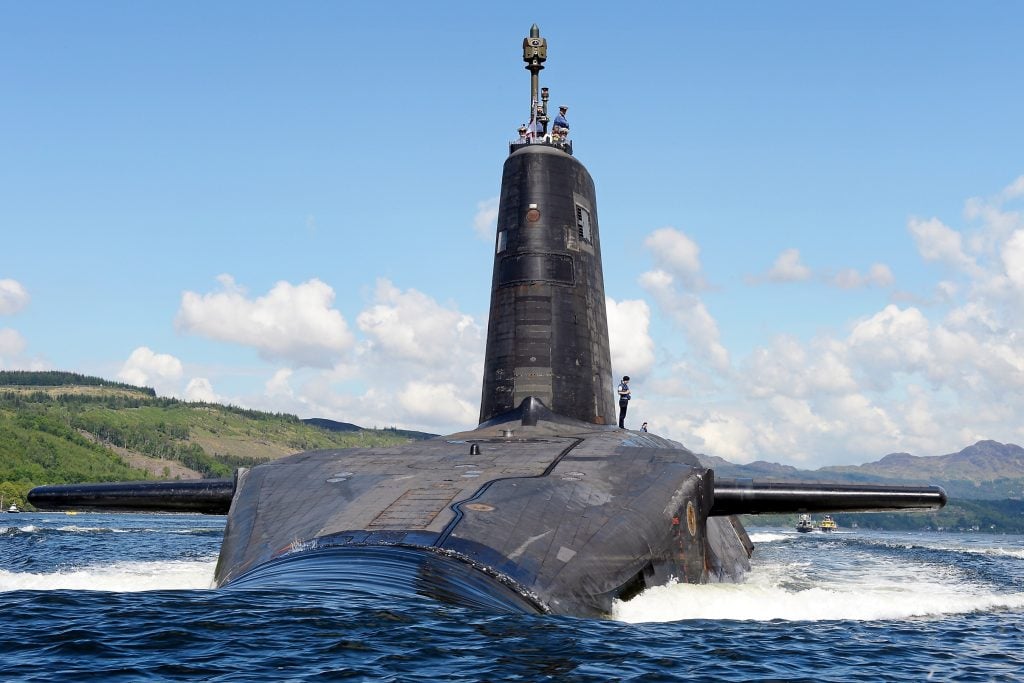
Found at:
[530, 512]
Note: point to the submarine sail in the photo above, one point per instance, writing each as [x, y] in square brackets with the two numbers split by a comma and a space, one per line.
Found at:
[547, 333]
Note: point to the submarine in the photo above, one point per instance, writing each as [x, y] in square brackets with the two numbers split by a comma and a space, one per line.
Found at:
[547, 506]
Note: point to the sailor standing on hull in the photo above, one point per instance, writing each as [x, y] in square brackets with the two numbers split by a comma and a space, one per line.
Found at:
[624, 397]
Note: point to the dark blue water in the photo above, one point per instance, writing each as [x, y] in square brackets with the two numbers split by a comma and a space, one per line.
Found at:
[127, 598]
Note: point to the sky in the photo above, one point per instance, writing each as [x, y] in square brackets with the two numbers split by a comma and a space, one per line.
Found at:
[810, 213]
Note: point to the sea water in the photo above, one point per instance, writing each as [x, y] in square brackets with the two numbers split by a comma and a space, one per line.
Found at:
[130, 598]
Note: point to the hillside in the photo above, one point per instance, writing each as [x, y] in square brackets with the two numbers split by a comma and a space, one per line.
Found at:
[985, 484]
[62, 428]
[987, 470]
[334, 426]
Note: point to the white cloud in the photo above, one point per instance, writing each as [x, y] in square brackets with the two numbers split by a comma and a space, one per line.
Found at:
[293, 323]
[426, 402]
[278, 384]
[199, 389]
[629, 337]
[938, 242]
[392, 399]
[676, 253]
[13, 297]
[12, 344]
[1013, 190]
[786, 368]
[411, 326]
[996, 223]
[946, 291]
[727, 436]
[1013, 258]
[12, 353]
[146, 368]
[901, 379]
[848, 278]
[690, 314]
[788, 268]
[486, 218]
[417, 365]
[892, 341]
[879, 275]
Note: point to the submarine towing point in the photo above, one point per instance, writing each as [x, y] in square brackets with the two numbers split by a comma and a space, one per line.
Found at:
[546, 506]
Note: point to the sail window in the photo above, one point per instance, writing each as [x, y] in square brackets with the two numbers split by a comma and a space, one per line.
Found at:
[583, 224]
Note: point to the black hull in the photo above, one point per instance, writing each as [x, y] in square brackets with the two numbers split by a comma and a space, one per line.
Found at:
[563, 515]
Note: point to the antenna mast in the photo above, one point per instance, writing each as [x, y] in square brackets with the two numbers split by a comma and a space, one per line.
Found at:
[535, 53]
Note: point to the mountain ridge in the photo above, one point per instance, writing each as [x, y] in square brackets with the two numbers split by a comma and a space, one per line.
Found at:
[985, 470]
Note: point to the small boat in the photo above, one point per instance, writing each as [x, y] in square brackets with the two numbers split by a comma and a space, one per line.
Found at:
[828, 524]
[14, 508]
[804, 524]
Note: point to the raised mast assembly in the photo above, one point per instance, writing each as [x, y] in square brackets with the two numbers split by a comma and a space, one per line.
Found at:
[535, 53]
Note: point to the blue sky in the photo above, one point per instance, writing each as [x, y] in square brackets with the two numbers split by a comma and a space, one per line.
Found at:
[810, 213]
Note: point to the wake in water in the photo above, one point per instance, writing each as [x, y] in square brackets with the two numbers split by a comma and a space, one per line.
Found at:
[87, 603]
[838, 579]
[119, 577]
[860, 576]
[113, 553]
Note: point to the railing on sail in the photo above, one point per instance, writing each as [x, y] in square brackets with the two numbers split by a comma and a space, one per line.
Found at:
[564, 144]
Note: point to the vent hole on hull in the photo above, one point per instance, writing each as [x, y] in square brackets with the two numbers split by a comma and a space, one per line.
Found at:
[637, 584]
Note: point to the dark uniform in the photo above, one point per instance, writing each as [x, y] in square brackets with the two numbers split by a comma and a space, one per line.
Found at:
[624, 397]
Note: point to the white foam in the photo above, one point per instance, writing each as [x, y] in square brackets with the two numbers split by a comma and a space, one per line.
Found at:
[998, 551]
[121, 577]
[767, 537]
[992, 546]
[760, 603]
[799, 591]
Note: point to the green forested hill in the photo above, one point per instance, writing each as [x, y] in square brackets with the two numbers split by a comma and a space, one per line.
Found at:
[60, 428]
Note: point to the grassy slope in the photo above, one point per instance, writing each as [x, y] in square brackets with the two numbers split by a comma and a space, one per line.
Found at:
[78, 431]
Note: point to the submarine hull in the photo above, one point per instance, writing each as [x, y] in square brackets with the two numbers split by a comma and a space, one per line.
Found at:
[558, 516]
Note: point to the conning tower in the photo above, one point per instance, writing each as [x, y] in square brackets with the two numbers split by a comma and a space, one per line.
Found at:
[547, 334]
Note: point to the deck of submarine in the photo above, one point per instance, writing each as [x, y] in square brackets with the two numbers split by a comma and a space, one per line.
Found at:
[410, 493]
